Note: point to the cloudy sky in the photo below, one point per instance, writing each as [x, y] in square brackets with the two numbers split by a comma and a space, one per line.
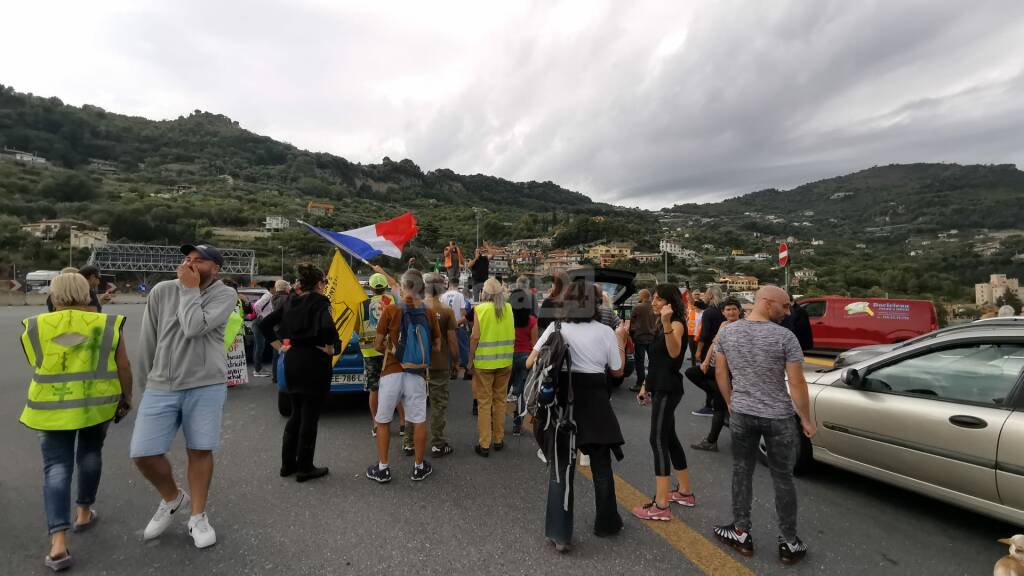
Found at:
[637, 103]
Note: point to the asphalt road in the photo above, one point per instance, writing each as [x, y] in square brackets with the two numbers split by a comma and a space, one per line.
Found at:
[472, 516]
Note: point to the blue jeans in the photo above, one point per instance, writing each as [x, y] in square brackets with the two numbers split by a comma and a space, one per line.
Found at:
[59, 461]
[517, 383]
[463, 337]
[781, 436]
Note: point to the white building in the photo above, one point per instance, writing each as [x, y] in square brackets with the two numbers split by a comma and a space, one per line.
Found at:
[998, 286]
[21, 156]
[88, 238]
[673, 247]
[647, 258]
[275, 223]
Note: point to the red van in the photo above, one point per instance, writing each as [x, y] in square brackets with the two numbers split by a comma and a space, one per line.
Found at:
[840, 323]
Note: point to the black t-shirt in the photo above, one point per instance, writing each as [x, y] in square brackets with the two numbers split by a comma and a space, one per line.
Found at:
[665, 372]
[710, 322]
[481, 269]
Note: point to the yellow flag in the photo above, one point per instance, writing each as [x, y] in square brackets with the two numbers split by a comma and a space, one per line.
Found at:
[346, 296]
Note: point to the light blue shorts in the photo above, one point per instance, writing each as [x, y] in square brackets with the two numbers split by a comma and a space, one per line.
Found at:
[197, 411]
[410, 390]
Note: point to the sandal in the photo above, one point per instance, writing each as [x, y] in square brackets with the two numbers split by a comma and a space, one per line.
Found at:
[62, 563]
[93, 517]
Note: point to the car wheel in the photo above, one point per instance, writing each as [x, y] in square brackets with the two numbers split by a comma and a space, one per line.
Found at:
[803, 461]
[284, 404]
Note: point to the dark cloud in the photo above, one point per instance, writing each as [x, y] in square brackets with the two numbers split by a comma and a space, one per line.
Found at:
[648, 103]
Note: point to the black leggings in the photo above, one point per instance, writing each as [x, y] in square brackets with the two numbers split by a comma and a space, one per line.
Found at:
[299, 442]
[668, 451]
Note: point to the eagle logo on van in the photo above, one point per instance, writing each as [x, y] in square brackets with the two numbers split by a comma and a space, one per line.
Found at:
[855, 308]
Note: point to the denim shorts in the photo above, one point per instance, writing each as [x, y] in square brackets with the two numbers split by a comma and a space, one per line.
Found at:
[197, 411]
[410, 390]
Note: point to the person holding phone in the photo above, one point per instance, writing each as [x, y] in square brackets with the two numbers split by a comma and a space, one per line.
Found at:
[305, 321]
[665, 380]
[69, 403]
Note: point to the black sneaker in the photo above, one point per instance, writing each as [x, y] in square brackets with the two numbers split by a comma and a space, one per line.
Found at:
[482, 451]
[441, 451]
[375, 473]
[740, 540]
[517, 429]
[705, 445]
[791, 552]
[498, 446]
[311, 474]
[422, 472]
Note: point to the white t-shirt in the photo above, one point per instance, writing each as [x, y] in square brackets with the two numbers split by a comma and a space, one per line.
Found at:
[264, 306]
[454, 300]
[593, 346]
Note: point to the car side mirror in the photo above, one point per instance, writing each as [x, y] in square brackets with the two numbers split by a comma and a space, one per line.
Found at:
[853, 378]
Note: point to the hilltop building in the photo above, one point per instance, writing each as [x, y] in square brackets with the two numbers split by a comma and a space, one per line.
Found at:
[275, 223]
[738, 282]
[998, 286]
[320, 208]
[88, 238]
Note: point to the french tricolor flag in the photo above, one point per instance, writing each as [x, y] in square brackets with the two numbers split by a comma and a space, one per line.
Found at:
[387, 238]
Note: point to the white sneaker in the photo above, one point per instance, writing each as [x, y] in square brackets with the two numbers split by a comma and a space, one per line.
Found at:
[201, 531]
[540, 455]
[584, 460]
[162, 519]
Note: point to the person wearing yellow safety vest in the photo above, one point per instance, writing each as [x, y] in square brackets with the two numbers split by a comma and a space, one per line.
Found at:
[373, 361]
[491, 350]
[183, 368]
[82, 380]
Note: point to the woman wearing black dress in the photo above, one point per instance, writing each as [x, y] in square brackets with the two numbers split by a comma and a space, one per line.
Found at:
[305, 321]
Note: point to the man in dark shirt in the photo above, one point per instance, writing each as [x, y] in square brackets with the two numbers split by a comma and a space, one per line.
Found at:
[92, 274]
[642, 329]
[800, 325]
[480, 268]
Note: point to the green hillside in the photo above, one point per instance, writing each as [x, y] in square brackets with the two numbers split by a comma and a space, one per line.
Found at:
[234, 178]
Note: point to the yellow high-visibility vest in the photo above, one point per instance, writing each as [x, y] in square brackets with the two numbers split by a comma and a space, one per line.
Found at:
[497, 337]
[236, 320]
[75, 383]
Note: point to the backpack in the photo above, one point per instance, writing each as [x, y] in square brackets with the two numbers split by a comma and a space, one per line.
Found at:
[414, 342]
[542, 382]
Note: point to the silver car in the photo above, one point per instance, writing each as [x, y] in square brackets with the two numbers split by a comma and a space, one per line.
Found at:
[942, 415]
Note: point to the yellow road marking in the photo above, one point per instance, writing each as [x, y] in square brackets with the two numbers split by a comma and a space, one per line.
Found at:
[696, 548]
[826, 362]
[699, 550]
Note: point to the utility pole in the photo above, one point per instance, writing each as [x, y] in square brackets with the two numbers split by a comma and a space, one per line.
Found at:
[477, 212]
[666, 266]
[71, 236]
[282, 261]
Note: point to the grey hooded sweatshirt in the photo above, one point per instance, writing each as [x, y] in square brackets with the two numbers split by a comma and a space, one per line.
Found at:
[182, 341]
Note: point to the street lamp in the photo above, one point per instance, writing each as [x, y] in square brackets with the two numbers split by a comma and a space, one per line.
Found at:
[282, 260]
[477, 211]
[71, 243]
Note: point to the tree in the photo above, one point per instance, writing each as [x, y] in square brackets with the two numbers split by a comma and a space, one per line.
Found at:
[69, 187]
[1010, 299]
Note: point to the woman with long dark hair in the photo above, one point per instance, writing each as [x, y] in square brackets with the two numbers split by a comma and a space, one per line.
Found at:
[526, 337]
[583, 418]
[305, 321]
[665, 381]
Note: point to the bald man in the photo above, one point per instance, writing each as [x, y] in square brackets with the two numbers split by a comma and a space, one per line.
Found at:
[754, 357]
[643, 327]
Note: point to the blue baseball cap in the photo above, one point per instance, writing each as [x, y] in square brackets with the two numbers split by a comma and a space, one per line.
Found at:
[208, 252]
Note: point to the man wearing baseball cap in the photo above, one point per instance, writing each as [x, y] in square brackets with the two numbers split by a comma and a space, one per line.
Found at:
[182, 368]
[373, 361]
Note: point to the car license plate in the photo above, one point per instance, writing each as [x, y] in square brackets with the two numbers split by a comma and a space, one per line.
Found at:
[348, 379]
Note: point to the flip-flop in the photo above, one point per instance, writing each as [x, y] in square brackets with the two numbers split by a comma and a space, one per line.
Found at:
[62, 563]
[93, 517]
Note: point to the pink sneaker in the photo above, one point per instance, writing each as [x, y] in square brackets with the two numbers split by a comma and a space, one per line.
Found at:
[650, 511]
[678, 497]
